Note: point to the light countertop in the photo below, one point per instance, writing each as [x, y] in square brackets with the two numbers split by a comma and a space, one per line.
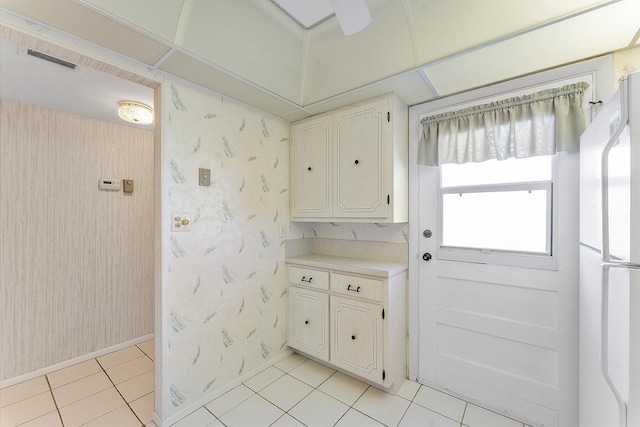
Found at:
[383, 269]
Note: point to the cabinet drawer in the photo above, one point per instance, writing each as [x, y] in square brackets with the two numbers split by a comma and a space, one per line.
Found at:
[309, 278]
[357, 286]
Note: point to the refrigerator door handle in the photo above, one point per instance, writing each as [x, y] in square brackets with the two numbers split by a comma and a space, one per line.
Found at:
[604, 348]
[621, 264]
[606, 255]
[622, 123]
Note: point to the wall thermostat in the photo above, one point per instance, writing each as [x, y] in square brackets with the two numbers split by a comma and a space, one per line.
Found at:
[109, 184]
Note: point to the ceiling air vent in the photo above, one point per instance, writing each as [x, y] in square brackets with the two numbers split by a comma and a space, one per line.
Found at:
[49, 58]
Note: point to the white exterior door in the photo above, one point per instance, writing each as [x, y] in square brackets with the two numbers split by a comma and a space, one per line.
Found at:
[505, 337]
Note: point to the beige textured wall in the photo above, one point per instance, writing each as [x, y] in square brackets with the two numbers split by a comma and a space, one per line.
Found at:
[76, 263]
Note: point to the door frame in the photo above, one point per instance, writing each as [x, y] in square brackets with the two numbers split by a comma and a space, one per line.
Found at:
[601, 69]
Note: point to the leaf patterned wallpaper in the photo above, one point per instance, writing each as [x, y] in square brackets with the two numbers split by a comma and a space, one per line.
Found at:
[393, 233]
[224, 282]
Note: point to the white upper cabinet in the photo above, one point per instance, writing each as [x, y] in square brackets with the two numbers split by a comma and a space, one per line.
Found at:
[360, 139]
[351, 164]
[311, 168]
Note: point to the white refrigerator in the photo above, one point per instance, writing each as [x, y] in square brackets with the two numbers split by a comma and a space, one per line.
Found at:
[610, 263]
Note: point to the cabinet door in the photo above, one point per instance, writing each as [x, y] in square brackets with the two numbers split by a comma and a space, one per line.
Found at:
[311, 174]
[357, 337]
[309, 322]
[361, 136]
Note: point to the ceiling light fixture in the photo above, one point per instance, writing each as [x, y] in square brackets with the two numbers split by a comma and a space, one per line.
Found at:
[135, 112]
[353, 15]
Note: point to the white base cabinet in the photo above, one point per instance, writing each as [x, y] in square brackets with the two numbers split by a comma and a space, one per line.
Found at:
[309, 321]
[351, 315]
[357, 338]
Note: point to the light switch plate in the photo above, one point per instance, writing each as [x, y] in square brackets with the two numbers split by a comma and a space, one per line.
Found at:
[180, 221]
[204, 177]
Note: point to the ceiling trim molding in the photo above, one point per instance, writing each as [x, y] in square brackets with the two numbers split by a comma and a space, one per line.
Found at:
[522, 32]
[415, 43]
[44, 33]
[297, 106]
[304, 64]
[428, 82]
[49, 31]
[119, 20]
[164, 58]
[66, 54]
[185, 15]
[634, 40]
[231, 74]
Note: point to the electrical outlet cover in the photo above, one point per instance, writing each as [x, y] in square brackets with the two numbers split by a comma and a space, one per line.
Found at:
[204, 176]
[180, 221]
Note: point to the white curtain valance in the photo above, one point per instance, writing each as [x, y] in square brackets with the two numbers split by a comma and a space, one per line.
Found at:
[539, 124]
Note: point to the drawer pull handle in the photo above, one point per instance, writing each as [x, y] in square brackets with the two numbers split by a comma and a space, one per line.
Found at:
[353, 290]
[306, 322]
[304, 279]
[353, 337]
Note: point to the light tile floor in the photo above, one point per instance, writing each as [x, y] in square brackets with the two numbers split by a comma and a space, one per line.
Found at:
[116, 390]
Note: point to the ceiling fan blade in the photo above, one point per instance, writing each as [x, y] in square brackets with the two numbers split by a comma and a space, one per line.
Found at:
[353, 15]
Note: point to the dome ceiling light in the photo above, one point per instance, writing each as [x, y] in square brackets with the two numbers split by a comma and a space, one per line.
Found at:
[135, 112]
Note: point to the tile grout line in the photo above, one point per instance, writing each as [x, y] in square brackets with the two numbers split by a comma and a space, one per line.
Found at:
[466, 405]
[404, 414]
[146, 354]
[46, 377]
[57, 407]
[118, 391]
[317, 388]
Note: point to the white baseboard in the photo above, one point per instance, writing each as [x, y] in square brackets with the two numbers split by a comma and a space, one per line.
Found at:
[74, 361]
[217, 393]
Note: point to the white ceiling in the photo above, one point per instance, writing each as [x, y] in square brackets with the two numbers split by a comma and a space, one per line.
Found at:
[254, 52]
[307, 13]
[86, 92]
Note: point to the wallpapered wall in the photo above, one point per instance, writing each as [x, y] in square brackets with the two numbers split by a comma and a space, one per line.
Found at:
[394, 233]
[224, 282]
[77, 263]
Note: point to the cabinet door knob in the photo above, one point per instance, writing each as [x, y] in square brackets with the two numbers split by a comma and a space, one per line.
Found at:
[356, 162]
[353, 337]
[306, 322]
[309, 168]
